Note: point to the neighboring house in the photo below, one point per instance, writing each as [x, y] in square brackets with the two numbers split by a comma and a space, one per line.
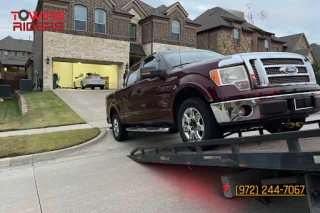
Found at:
[227, 32]
[105, 36]
[14, 54]
[316, 51]
[298, 43]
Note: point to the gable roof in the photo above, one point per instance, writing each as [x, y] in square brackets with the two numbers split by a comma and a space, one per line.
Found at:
[177, 4]
[291, 40]
[11, 44]
[316, 51]
[216, 17]
[304, 52]
[151, 11]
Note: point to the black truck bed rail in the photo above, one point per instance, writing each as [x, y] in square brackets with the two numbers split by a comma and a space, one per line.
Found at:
[291, 159]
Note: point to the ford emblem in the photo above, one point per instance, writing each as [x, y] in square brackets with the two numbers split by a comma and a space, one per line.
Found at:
[289, 69]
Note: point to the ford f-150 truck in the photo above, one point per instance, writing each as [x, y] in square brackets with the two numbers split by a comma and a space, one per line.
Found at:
[203, 94]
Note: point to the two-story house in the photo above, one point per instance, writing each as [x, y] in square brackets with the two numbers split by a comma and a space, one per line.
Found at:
[14, 54]
[227, 32]
[107, 36]
[298, 43]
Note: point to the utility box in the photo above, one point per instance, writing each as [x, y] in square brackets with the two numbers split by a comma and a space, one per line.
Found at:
[26, 85]
[5, 91]
[55, 80]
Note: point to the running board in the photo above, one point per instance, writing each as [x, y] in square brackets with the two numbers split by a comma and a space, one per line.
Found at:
[148, 129]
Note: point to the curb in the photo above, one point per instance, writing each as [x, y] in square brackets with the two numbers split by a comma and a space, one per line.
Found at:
[46, 156]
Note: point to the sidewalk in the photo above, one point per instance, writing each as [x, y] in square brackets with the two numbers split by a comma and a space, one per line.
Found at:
[44, 130]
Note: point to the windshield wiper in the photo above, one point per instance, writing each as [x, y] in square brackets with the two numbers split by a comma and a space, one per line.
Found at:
[182, 64]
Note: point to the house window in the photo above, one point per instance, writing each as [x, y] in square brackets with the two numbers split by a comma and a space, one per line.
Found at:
[80, 17]
[277, 49]
[133, 32]
[175, 31]
[236, 37]
[266, 45]
[6, 53]
[301, 47]
[23, 54]
[100, 21]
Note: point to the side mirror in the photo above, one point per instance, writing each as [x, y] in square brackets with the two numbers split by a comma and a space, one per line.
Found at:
[76, 77]
[150, 72]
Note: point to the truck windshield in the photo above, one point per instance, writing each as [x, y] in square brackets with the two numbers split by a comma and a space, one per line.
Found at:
[172, 57]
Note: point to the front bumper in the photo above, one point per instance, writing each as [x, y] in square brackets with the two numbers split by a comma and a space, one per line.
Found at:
[267, 107]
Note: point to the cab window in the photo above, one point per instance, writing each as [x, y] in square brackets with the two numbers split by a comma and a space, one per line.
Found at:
[151, 62]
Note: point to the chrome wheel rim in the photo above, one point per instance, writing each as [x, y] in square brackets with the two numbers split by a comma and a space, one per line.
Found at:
[116, 127]
[193, 124]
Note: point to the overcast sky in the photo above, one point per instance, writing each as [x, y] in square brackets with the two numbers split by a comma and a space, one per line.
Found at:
[284, 17]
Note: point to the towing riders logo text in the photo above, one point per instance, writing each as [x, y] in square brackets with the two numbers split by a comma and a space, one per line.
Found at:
[40, 21]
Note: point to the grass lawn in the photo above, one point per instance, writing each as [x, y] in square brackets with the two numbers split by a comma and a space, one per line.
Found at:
[46, 109]
[30, 144]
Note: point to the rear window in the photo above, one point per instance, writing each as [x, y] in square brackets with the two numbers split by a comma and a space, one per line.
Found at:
[92, 74]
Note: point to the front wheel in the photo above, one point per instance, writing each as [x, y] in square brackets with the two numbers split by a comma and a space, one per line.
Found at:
[196, 122]
[119, 131]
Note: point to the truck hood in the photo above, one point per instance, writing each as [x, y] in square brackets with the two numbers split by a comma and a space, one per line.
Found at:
[239, 58]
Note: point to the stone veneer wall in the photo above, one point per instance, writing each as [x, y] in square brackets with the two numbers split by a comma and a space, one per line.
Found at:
[160, 47]
[82, 47]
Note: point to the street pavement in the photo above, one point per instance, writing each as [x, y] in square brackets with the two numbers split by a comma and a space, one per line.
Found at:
[102, 178]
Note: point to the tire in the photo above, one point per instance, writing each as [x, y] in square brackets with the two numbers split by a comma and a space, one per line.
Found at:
[92, 88]
[276, 128]
[118, 129]
[82, 87]
[74, 86]
[173, 130]
[211, 129]
[101, 88]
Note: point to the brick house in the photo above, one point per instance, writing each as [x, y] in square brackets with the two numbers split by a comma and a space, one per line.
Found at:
[298, 43]
[107, 35]
[227, 32]
[14, 54]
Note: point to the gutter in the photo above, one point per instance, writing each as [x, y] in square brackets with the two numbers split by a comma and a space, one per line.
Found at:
[151, 37]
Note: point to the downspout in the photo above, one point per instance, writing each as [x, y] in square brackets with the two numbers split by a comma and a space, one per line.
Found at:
[152, 37]
[41, 84]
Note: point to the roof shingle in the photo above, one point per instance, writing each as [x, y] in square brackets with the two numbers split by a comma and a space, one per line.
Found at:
[291, 41]
[11, 44]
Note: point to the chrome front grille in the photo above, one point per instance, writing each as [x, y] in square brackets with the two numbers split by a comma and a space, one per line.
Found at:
[270, 71]
[282, 61]
[288, 79]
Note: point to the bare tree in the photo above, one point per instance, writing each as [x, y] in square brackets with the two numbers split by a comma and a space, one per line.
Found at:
[261, 15]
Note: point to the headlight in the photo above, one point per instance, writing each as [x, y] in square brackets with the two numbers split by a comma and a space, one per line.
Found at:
[231, 76]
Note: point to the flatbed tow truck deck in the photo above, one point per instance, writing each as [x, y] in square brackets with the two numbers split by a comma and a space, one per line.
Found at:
[297, 152]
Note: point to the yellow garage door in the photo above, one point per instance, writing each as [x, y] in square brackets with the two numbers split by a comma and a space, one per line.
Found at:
[64, 71]
[68, 71]
[110, 71]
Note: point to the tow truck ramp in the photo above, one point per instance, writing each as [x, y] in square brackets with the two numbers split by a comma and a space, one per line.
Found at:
[303, 163]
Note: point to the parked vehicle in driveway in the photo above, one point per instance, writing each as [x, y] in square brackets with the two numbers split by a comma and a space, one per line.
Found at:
[205, 95]
[89, 80]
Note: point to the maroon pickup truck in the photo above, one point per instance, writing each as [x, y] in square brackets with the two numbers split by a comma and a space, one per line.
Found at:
[205, 95]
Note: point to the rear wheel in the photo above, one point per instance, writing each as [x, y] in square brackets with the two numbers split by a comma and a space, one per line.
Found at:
[82, 87]
[92, 88]
[196, 122]
[280, 127]
[118, 129]
[102, 87]
[74, 86]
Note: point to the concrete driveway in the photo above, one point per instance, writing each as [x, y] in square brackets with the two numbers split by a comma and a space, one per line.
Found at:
[103, 179]
[89, 104]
